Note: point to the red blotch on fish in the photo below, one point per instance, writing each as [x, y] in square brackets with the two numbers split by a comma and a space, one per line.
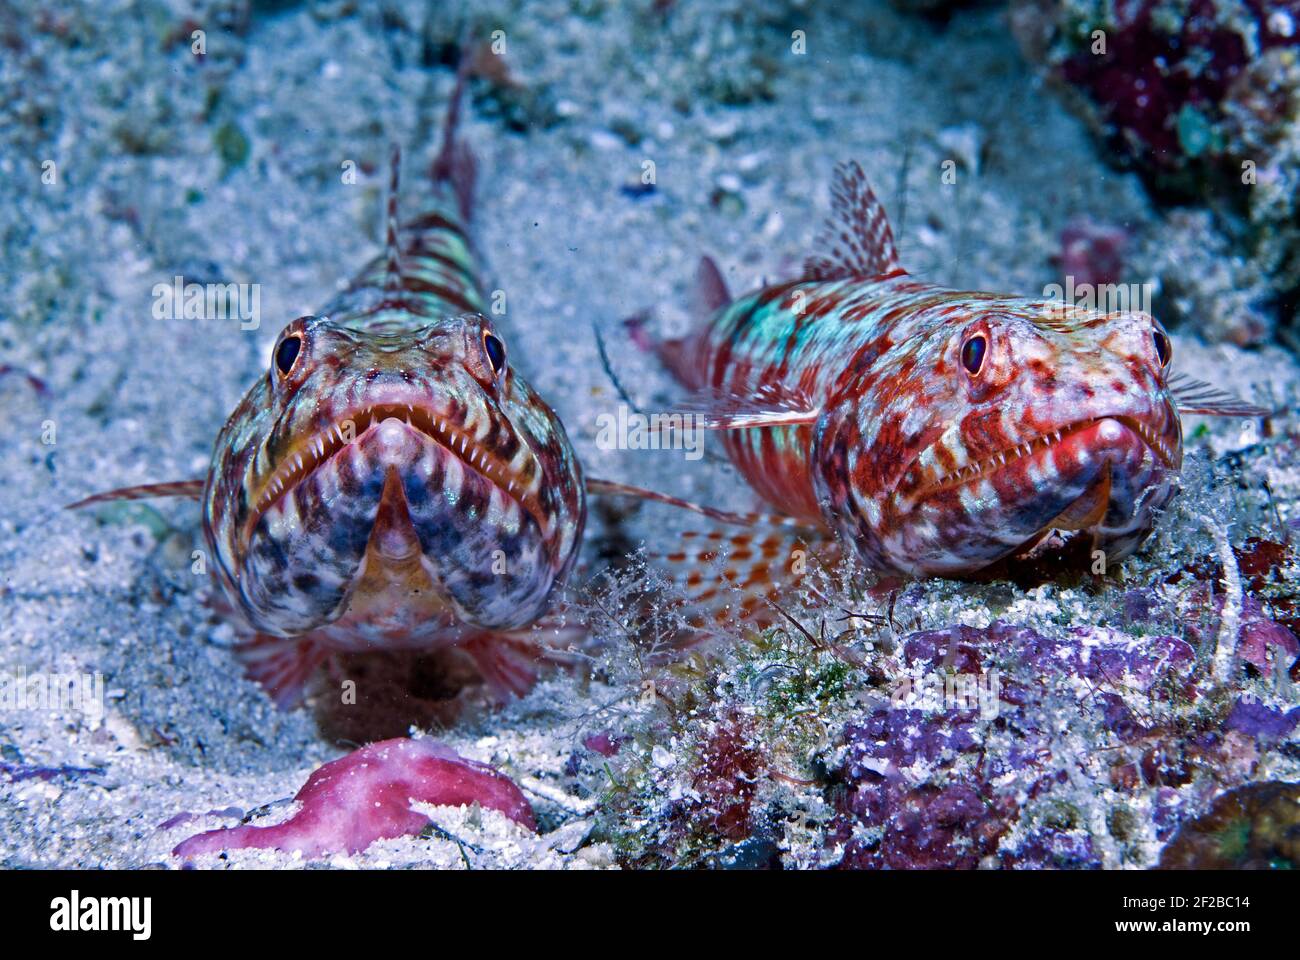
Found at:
[349, 803]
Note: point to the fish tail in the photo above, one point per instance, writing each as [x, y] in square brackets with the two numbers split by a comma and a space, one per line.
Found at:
[681, 355]
[439, 263]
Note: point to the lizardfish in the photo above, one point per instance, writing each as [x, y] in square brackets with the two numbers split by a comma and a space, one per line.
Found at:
[392, 481]
[937, 431]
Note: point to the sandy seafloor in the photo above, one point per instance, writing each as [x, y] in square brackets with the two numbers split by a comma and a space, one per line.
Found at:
[143, 194]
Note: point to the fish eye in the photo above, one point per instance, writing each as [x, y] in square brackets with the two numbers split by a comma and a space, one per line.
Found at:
[972, 353]
[286, 354]
[496, 352]
[1164, 349]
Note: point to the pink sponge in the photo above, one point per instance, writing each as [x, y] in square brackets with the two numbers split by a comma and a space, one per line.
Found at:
[366, 796]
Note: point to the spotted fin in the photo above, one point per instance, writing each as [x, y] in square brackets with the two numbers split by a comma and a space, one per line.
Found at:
[729, 579]
[856, 240]
[192, 489]
[1197, 397]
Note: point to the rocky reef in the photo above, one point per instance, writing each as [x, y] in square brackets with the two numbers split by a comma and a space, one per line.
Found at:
[1115, 721]
[1202, 97]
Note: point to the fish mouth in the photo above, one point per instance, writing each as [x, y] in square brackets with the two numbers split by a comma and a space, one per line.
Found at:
[311, 453]
[1160, 448]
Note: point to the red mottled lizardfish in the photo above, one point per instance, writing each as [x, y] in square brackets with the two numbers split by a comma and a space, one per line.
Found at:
[937, 431]
[392, 482]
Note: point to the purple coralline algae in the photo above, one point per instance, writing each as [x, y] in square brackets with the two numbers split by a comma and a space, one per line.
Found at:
[1029, 736]
[1035, 781]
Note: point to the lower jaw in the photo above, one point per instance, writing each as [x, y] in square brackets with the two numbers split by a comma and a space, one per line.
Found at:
[1081, 545]
[1051, 557]
[1092, 533]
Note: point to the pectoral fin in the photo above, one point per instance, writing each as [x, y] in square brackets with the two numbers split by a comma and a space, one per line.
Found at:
[191, 489]
[615, 489]
[1196, 396]
[767, 407]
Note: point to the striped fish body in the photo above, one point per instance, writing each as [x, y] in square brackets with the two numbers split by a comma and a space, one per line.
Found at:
[392, 482]
[937, 431]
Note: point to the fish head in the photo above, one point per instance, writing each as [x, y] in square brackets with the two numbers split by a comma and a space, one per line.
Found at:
[411, 466]
[990, 432]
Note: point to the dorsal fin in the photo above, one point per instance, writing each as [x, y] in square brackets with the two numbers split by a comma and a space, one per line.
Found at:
[455, 163]
[856, 240]
[392, 242]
